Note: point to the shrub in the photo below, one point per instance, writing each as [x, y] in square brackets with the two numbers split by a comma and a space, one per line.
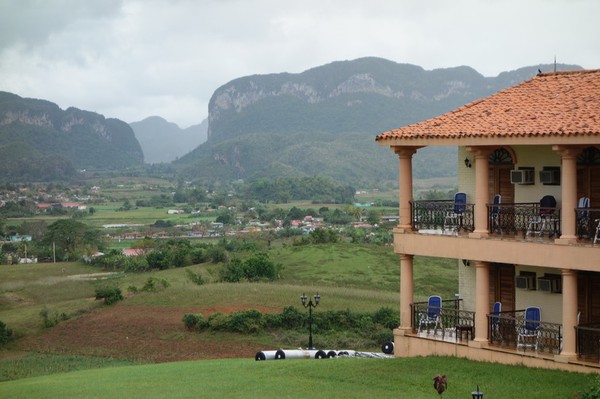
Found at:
[255, 268]
[233, 272]
[136, 264]
[218, 321]
[5, 334]
[194, 321]
[245, 321]
[154, 284]
[292, 317]
[51, 318]
[194, 277]
[260, 267]
[387, 317]
[109, 294]
[159, 259]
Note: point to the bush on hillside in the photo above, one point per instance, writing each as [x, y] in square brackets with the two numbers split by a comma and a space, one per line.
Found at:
[256, 268]
[5, 334]
[109, 294]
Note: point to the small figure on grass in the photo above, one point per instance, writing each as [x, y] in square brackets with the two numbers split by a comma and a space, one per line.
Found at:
[440, 383]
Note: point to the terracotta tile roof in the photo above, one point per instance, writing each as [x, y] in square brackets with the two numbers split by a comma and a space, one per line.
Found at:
[551, 104]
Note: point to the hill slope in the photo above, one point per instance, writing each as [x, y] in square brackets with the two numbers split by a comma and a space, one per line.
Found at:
[323, 121]
[83, 139]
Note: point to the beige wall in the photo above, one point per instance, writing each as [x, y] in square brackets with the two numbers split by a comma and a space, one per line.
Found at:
[550, 303]
[466, 176]
[536, 157]
[466, 286]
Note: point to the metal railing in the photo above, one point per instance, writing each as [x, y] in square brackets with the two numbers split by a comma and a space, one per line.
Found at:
[449, 318]
[588, 224]
[441, 215]
[527, 218]
[588, 341]
[508, 329]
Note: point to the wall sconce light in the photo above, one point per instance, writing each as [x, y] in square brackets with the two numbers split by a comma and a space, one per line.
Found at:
[467, 163]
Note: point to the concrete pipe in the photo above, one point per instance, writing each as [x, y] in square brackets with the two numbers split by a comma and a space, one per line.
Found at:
[265, 355]
[387, 347]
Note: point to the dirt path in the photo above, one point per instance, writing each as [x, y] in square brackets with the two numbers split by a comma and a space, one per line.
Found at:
[154, 334]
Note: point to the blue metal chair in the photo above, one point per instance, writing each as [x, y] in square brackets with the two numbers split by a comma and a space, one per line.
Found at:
[433, 316]
[583, 217]
[495, 214]
[546, 219]
[455, 217]
[530, 330]
[495, 321]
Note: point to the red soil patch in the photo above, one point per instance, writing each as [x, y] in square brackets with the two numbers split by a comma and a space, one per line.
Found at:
[144, 333]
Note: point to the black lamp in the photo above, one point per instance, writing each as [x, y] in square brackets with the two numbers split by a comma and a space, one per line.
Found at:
[467, 163]
[310, 305]
[477, 394]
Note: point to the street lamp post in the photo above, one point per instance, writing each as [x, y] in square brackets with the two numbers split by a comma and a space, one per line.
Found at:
[310, 305]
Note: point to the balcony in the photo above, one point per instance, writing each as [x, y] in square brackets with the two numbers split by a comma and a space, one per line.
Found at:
[505, 330]
[518, 220]
[451, 322]
[439, 217]
[588, 342]
[456, 325]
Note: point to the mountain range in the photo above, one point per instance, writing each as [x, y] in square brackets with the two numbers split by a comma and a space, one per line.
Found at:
[321, 122]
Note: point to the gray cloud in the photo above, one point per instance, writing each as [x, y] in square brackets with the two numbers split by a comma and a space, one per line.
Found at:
[134, 58]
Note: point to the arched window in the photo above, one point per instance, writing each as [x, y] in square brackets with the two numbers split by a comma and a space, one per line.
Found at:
[501, 156]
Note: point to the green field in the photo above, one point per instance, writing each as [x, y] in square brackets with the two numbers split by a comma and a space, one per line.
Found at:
[326, 378]
[347, 276]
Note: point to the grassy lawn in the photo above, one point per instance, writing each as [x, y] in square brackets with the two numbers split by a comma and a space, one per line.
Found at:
[348, 276]
[327, 378]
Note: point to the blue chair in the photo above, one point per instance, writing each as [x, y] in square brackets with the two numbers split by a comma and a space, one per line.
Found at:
[433, 316]
[530, 330]
[546, 219]
[495, 321]
[455, 217]
[583, 217]
[495, 214]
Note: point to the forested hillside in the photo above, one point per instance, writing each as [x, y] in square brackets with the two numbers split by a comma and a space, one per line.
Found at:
[57, 141]
[323, 121]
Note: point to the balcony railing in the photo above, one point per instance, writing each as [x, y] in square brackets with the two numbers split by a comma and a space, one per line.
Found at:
[449, 320]
[442, 215]
[522, 219]
[588, 342]
[588, 223]
[526, 219]
[507, 329]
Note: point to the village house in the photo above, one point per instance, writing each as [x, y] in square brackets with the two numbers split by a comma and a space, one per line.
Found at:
[524, 227]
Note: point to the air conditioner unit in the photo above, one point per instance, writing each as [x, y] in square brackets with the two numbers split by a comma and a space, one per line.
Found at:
[544, 284]
[522, 176]
[551, 283]
[550, 176]
[525, 282]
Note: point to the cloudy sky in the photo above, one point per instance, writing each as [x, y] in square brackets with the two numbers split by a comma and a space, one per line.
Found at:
[131, 59]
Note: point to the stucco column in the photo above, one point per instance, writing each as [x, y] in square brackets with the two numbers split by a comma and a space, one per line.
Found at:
[406, 292]
[482, 195]
[568, 183]
[569, 312]
[406, 187]
[482, 292]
